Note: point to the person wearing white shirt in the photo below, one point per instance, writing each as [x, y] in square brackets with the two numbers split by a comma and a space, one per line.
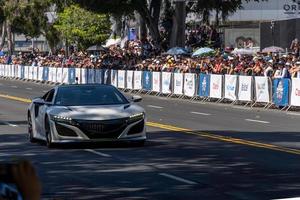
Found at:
[269, 70]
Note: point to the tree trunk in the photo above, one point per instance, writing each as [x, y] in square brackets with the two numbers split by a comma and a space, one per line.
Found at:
[178, 32]
[10, 44]
[217, 22]
[3, 35]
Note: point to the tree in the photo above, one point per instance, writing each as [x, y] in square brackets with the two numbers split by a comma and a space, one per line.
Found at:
[83, 27]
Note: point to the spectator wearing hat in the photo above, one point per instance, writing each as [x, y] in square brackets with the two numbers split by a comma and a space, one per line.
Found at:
[295, 70]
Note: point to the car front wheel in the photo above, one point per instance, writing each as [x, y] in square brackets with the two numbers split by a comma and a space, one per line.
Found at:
[30, 129]
[49, 142]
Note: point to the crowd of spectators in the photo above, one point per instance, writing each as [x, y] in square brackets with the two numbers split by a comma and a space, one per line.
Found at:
[141, 56]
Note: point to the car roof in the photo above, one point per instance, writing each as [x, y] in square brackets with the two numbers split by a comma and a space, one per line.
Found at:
[84, 85]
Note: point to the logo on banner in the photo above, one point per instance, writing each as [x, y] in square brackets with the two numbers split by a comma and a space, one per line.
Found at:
[297, 92]
[189, 83]
[261, 88]
[244, 87]
[155, 81]
[230, 87]
[147, 79]
[178, 83]
[204, 83]
[279, 92]
[215, 86]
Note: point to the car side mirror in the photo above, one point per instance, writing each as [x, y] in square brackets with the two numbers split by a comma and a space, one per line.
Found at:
[40, 101]
[137, 98]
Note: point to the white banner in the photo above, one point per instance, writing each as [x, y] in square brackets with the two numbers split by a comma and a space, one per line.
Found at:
[19, 71]
[137, 80]
[91, 76]
[262, 93]
[245, 88]
[9, 71]
[156, 81]
[166, 83]
[30, 72]
[178, 83]
[54, 78]
[295, 94]
[216, 83]
[1, 70]
[78, 74]
[189, 84]
[114, 77]
[26, 72]
[121, 79]
[65, 77]
[129, 79]
[59, 75]
[230, 87]
[83, 76]
[41, 70]
[35, 73]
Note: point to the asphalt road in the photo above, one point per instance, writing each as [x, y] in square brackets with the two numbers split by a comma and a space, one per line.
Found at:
[194, 151]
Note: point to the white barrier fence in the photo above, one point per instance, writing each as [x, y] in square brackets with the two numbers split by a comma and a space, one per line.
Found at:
[285, 93]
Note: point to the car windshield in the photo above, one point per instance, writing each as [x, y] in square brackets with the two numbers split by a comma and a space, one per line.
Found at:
[89, 95]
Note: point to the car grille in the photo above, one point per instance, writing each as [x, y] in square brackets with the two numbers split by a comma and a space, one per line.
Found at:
[106, 129]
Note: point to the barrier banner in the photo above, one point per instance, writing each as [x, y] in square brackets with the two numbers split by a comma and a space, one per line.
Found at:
[107, 76]
[189, 84]
[114, 77]
[14, 69]
[19, 74]
[204, 85]
[281, 89]
[178, 83]
[84, 76]
[9, 70]
[65, 78]
[22, 71]
[98, 76]
[216, 83]
[121, 79]
[147, 80]
[166, 83]
[262, 93]
[156, 81]
[1, 70]
[71, 75]
[46, 73]
[78, 75]
[245, 88]
[41, 73]
[30, 72]
[55, 70]
[35, 71]
[295, 93]
[129, 82]
[137, 80]
[90, 76]
[26, 72]
[59, 75]
[230, 87]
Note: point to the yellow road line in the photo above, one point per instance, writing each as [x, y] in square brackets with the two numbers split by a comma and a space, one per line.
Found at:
[197, 133]
[15, 98]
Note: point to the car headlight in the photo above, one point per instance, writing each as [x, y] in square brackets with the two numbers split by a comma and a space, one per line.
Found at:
[61, 119]
[136, 117]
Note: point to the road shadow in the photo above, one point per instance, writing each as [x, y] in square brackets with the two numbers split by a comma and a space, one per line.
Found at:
[222, 170]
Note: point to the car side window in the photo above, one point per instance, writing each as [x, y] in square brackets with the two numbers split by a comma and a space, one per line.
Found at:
[50, 96]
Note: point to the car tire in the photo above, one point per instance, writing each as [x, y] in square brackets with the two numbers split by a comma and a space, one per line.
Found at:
[30, 130]
[48, 134]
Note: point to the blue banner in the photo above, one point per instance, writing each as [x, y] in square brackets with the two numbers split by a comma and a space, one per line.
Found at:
[147, 80]
[98, 76]
[22, 71]
[204, 85]
[90, 76]
[281, 92]
[45, 73]
[71, 76]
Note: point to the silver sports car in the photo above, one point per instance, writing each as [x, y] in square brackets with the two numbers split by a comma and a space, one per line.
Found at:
[85, 113]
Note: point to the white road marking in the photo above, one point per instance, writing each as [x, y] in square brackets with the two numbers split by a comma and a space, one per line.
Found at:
[13, 86]
[295, 198]
[152, 106]
[9, 124]
[98, 153]
[257, 121]
[178, 178]
[296, 114]
[199, 113]
[28, 88]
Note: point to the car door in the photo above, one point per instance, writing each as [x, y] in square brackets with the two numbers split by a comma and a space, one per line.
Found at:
[41, 111]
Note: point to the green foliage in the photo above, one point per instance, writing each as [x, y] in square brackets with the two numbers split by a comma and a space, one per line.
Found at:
[83, 27]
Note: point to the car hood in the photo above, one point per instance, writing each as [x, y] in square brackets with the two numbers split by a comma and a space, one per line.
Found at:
[106, 112]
